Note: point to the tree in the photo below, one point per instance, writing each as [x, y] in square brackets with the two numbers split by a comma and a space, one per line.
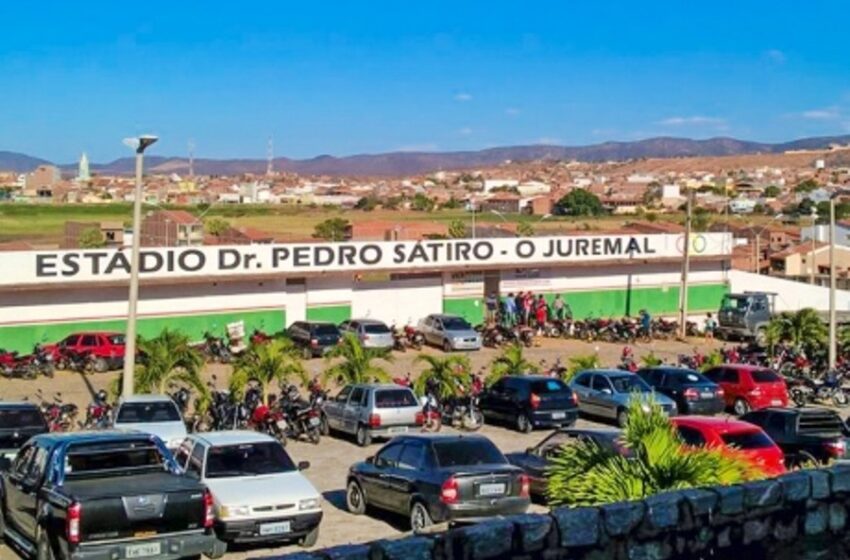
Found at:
[586, 474]
[277, 360]
[356, 364]
[332, 229]
[91, 238]
[651, 360]
[772, 191]
[581, 363]
[452, 204]
[803, 329]
[216, 226]
[510, 362]
[448, 374]
[700, 219]
[525, 229]
[168, 359]
[367, 203]
[579, 202]
[421, 203]
[458, 230]
[806, 186]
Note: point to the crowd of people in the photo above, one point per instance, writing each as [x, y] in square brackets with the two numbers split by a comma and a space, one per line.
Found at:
[525, 309]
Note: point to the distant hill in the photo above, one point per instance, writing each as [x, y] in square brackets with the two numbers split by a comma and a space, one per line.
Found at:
[411, 163]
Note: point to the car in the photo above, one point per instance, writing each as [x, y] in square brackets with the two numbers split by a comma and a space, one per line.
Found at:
[530, 401]
[106, 348]
[314, 338]
[606, 393]
[104, 495]
[751, 440]
[371, 411]
[692, 391]
[152, 414]
[370, 332]
[747, 387]
[258, 491]
[449, 332]
[806, 435]
[19, 421]
[438, 478]
[535, 460]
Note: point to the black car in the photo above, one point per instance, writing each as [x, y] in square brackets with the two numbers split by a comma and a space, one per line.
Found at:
[805, 435]
[438, 478]
[530, 401]
[19, 421]
[693, 392]
[535, 460]
[313, 337]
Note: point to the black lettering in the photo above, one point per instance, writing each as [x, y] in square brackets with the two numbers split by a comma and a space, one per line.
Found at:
[301, 257]
[596, 246]
[634, 246]
[279, 254]
[95, 259]
[462, 249]
[398, 251]
[118, 260]
[150, 261]
[646, 248]
[613, 246]
[525, 249]
[184, 260]
[418, 253]
[228, 259]
[370, 254]
[483, 250]
[323, 256]
[72, 267]
[45, 265]
[347, 253]
[581, 246]
[551, 251]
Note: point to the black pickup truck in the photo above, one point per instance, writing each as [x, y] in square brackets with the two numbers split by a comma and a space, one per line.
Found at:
[19, 421]
[805, 435]
[104, 496]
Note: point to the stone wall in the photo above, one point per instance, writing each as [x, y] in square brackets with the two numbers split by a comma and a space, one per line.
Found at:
[798, 515]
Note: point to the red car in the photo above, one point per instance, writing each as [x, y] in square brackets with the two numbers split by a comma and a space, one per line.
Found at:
[727, 433]
[749, 387]
[107, 348]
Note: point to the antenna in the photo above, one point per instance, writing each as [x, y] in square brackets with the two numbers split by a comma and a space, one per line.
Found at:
[191, 158]
[270, 156]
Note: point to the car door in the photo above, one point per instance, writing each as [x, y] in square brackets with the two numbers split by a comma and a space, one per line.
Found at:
[181, 455]
[353, 408]
[431, 330]
[581, 387]
[376, 480]
[403, 479]
[335, 408]
[603, 397]
[493, 400]
[15, 487]
[28, 493]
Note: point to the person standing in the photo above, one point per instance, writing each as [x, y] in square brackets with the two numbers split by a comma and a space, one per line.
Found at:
[510, 310]
[541, 312]
[710, 326]
[558, 307]
[527, 303]
[491, 303]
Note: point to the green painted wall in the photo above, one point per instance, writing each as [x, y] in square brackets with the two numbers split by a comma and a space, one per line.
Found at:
[618, 303]
[22, 338]
[471, 309]
[335, 314]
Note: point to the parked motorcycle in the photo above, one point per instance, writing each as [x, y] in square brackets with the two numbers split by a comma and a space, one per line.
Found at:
[303, 419]
[98, 413]
[803, 391]
[216, 349]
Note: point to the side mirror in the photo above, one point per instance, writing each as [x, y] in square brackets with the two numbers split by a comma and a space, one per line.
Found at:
[607, 391]
[303, 465]
[370, 460]
[529, 450]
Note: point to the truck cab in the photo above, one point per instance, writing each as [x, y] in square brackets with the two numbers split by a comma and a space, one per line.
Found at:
[745, 315]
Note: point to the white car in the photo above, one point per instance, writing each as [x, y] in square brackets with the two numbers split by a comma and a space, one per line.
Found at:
[259, 493]
[152, 414]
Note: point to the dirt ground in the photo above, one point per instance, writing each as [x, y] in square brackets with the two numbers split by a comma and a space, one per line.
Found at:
[331, 459]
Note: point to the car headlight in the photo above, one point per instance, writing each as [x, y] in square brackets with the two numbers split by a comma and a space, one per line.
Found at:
[310, 503]
[234, 511]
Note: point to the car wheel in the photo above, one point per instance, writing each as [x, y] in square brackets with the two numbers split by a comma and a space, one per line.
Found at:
[839, 398]
[622, 417]
[309, 540]
[741, 407]
[307, 353]
[420, 519]
[447, 346]
[43, 550]
[324, 427]
[806, 460]
[523, 424]
[355, 500]
[364, 439]
[100, 365]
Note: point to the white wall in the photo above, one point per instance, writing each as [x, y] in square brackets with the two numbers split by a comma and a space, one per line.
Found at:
[791, 295]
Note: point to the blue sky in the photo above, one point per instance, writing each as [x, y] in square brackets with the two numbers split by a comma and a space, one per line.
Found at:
[357, 77]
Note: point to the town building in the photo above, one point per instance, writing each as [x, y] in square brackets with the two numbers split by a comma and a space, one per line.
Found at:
[171, 228]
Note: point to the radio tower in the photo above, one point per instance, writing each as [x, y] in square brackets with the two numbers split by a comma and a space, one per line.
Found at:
[270, 157]
[191, 158]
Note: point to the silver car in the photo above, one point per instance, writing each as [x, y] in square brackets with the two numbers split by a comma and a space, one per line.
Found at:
[450, 332]
[606, 393]
[372, 333]
[372, 410]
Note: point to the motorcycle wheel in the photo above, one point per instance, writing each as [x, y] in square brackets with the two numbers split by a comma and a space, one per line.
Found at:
[279, 435]
[433, 423]
[472, 422]
[314, 436]
[839, 398]
[798, 397]
[48, 370]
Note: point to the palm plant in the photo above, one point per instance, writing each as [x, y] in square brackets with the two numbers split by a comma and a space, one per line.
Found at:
[277, 360]
[651, 360]
[712, 359]
[510, 362]
[356, 364]
[584, 474]
[802, 329]
[581, 363]
[166, 360]
[447, 374]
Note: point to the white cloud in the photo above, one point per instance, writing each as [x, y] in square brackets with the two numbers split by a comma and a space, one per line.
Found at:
[463, 97]
[548, 141]
[775, 55]
[821, 114]
[512, 111]
[465, 131]
[426, 147]
[694, 120]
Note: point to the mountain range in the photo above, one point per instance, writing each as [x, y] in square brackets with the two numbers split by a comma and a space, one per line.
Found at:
[413, 163]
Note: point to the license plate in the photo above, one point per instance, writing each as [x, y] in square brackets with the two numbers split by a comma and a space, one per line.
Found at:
[776, 402]
[397, 430]
[281, 425]
[491, 489]
[142, 550]
[707, 395]
[559, 415]
[314, 421]
[274, 528]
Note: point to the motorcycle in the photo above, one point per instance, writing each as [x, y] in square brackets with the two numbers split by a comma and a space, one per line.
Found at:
[302, 419]
[462, 412]
[60, 416]
[269, 420]
[216, 349]
[98, 413]
[415, 339]
[399, 340]
[81, 362]
[432, 418]
[259, 337]
[803, 391]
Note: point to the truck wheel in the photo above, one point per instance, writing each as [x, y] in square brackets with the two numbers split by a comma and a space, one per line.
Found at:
[309, 540]
[43, 550]
[364, 439]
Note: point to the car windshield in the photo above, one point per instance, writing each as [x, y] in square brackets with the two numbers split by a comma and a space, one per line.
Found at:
[325, 330]
[21, 418]
[548, 386]
[139, 413]
[375, 328]
[394, 398]
[733, 303]
[629, 384]
[461, 453]
[93, 460]
[455, 324]
[116, 339]
[248, 460]
[764, 376]
[748, 440]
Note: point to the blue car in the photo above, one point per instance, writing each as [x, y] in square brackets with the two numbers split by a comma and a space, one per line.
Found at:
[606, 393]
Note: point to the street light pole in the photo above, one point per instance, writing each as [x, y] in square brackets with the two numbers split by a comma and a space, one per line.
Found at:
[473, 217]
[127, 382]
[686, 264]
[832, 326]
[814, 238]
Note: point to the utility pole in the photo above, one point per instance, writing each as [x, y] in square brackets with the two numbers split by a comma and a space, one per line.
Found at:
[758, 252]
[832, 325]
[814, 246]
[191, 158]
[127, 380]
[686, 264]
[270, 157]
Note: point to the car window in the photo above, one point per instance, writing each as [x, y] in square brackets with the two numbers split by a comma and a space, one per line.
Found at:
[557, 440]
[671, 380]
[651, 376]
[498, 386]
[389, 456]
[36, 469]
[548, 387]
[116, 339]
[356, 396]
[143, 412]
[325, 329]
[514, 385]
[69, 340]
[22, 461]
[583, 380]
[764, 376]
[412, 457]
[731, 376]
[600, 382]
[394, 398]
[248, 459]
[342, 397]
[375, 328]
[181, 456]
[714, 374]
[21, 418]
[89, 340]
[196, 462]
[629, 384]
[691, 436]
[468, 452]
[456, 324]
[755, 439]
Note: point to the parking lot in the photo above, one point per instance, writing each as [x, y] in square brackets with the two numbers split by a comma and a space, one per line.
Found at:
[331, 459]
